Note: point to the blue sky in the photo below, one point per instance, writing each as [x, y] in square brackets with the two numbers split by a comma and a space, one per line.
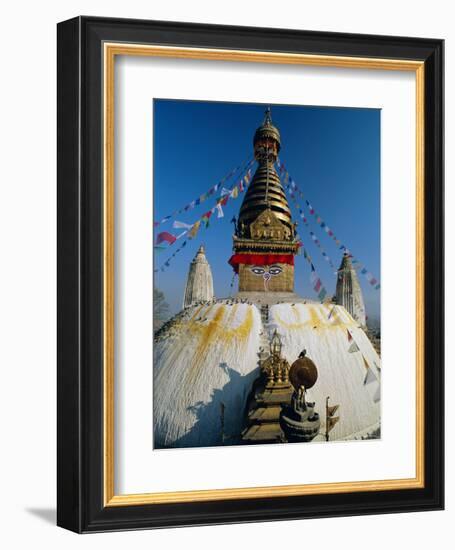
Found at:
[332, 153]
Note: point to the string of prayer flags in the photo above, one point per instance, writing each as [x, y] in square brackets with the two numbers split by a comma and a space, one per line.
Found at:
[193, 229]
[326, 257]
[317, 284]
[168, 261]
[372, 280]
[316, 241]
[199, 200]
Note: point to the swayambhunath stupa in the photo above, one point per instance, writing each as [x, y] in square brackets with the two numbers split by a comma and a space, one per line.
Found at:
[266, 365]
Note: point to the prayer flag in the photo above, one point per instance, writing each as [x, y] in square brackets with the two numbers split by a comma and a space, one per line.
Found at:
[370, 377]
[165, 236]
[181, 225]
[331, 421]
[220, 211]
[353, 348]
[235, 192]
[194, 229]
[322, 294]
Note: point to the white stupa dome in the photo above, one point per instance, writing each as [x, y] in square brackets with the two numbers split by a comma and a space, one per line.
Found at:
[206, 360]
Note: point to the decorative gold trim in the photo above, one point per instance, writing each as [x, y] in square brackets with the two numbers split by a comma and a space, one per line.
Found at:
[108, 276]
[420, 271]
[110, 51]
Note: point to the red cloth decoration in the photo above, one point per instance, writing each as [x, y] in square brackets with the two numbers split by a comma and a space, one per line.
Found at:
[260, 259]
[165, 236]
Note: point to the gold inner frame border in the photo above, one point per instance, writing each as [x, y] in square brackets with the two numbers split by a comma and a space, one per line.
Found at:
[110, 51]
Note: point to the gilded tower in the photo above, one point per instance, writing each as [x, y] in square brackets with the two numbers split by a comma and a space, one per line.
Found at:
[265, 235]
[348, 291]
[199, 284]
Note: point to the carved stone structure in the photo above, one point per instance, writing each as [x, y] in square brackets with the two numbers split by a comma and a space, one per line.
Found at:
[348, 291]
[265, 239]
[270, 391]
[199, 284]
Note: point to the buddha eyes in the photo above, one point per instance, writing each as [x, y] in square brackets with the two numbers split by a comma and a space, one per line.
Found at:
[273, 270]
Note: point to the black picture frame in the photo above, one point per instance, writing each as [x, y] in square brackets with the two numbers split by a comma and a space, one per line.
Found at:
[80, 474]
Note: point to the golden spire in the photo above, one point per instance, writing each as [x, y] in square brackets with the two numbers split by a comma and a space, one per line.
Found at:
[265, 191]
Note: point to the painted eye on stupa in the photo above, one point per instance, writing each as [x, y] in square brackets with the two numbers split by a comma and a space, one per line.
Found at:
[258, 270]
[275, 270]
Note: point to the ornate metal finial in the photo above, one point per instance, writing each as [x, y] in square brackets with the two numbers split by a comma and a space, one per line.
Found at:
[268, 117]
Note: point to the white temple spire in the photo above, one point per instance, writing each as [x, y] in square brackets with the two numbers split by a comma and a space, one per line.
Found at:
[199, 284]
[348, 291]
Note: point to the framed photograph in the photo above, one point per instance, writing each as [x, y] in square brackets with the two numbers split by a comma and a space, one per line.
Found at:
[250, 274]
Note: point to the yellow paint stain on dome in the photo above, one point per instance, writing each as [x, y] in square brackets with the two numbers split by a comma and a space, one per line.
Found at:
[217, 333]
[296, 312]
[315, 320]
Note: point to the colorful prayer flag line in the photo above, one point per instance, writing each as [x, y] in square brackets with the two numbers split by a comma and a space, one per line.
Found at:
[193, 229]
[315, 280]
[199, 200]
[316, 241]
[320, 221]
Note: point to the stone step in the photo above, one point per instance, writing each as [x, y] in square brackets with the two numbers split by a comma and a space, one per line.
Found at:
[265, 414]
[276, 397]
[263, 433]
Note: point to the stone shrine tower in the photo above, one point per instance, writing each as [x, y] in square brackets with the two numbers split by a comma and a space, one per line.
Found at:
[265, 239]
[348, 291]
[199, 284]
